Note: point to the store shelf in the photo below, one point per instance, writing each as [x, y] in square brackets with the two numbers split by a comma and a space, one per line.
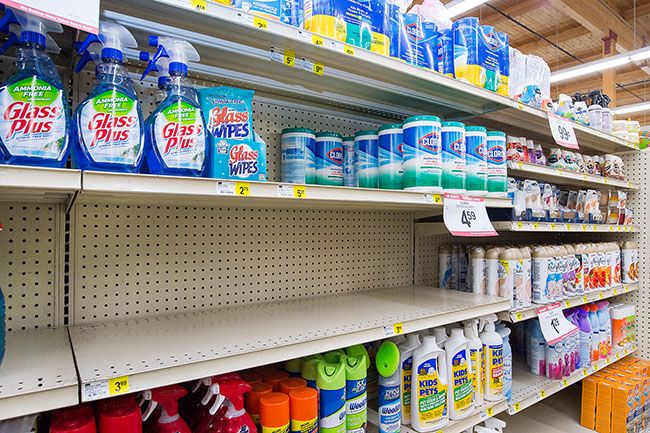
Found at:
[37, 183]
[522, 226]
[528, 389]
[487, 410]
[235, 46]
[565, 177]
[529, 313]
[98, 186]
[160, 350]
[37, 373]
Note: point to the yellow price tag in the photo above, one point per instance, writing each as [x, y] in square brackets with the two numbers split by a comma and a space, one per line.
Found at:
[584, 372]
[520, 165]
[437, 199]
[535, 226]
[517, 406]
[600, 295]
[583, 227]
[520, 225]
[489, 411]
[585, 299]
[618, 355]
[542, 394]
[118, 385]
[552, 226]
[319, 69]
[567, 303]
[242, 188]
[520, 106]
[596, 367]
[290, 58]
[260, 23]
[398, 328]
[300, 191]
[519, 316]
[615, 291]
[605, 180]
[632, 228]
[595, 227]
[612, 228]
[199, 5]
[317, 40]
[349, 50]
[565, 382]
[626, 289]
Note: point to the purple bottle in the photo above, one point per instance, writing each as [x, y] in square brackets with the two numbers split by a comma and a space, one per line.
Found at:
[584, 331]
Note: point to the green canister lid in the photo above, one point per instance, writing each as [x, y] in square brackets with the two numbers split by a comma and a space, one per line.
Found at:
[453, 124]
[496, 134]
[421, 119]
[298, 130]
[475, 129]
[365, 132]
[329, 134]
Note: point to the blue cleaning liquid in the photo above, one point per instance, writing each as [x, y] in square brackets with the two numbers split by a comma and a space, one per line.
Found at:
[108, 126]
[34, 112]
[176, 141]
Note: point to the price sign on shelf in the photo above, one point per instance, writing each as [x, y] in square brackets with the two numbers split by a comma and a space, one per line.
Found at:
[563, 132]
[555, 326]
[80, 15]
[466, 216]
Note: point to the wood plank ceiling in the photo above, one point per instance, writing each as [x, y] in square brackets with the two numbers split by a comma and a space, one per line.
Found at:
[567, 33]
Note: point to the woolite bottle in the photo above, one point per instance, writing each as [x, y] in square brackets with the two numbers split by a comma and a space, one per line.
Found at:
[34, 113]
[108, 127]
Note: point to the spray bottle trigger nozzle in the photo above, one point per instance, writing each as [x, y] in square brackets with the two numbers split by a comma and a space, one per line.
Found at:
[153, 40]
[217, 404]
[144, 57]
[90, 39]
[212, 390]
[147, 395]
[205, 381]
[7, 19]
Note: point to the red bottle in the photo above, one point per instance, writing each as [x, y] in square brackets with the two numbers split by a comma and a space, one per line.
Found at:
[215, 411]
[167, 398]
[235, 419]
[206, 399]
[119, 415]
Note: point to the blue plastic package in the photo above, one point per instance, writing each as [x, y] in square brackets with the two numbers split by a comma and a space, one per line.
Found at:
[418, 42]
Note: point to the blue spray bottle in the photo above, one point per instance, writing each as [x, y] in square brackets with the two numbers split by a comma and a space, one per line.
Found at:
[176, 141]
[108, 126]
[34, 112]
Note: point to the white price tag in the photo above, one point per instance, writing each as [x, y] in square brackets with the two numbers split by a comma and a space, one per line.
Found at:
[285, 190]
[554, 325]
[466, 216]
[80, 15]
[94, 390]
[245, 18]
[562, 130]
[225, 188]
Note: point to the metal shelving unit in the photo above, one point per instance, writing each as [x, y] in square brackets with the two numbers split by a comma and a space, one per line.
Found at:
[37, 184]
[156, 351]
[566, 177]
[529, 313]
[528, 389]
[38, 373]
[438, 228]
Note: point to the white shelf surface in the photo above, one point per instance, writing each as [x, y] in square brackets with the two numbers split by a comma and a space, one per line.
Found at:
[528, 389]
[234, 45]
[565, 177]
[168, 349]
[100, 186]
[38, 373]
[487, 410]
[37, 183]
[531, 312]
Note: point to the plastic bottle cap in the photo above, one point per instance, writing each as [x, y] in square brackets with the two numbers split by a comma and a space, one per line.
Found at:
[251, 377]
[304, 404]
[274, 378]
[387, 358]
[252, 398]
[120, 414]
[287, 385]
[274, 410]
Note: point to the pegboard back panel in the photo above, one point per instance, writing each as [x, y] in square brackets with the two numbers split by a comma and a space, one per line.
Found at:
[271, 115]
[140, 260]
[32, 255]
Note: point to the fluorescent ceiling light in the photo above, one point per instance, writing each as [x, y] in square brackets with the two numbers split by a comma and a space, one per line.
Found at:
[632, 108]
[457, 7]
[602, 64]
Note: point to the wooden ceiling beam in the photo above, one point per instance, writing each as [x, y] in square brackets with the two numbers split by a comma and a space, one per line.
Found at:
[532, 47]
[514, 9]
[642, 9]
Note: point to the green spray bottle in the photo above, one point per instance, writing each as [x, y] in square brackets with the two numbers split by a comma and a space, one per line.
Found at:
[309, 369]
[331, 387]
[293, 367]
[356, 394]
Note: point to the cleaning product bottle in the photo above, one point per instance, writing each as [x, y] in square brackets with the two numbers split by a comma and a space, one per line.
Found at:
[303, 404]
[584, 328]
[493, 353]
[429, 405]
[476, 359]
[167, 397]
[211, 413]
[356, 395]
[309, 369]
[331, 384]
[605, 328]
[293, 367]
[119, 414]
[406, 373]
[389, 405]
[507, 362]
[275, 413]
[252, 401]
[34, 125]
[441, 336]
[536, 348]
[201, 398]
[176, 143]
[235, 419]
[108, 127]
[459, 368]
[595, 331]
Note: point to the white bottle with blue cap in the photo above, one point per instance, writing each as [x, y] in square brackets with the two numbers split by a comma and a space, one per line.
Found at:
[108, 126]
[176, 143]
[34, 111]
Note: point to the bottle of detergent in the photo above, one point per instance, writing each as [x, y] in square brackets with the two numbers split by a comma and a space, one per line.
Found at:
[35, 116]
[167, 398]
[507, 362]
[429, 405]
[176, 143]
[493, 353]
[476, 359]
[388, 406]
[235, 419]
[356, 395]
[406, 373]
[107, 127]
[331, 384]
[459, 368]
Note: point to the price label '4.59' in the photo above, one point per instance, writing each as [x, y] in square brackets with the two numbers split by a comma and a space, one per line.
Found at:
[563, 132]
[466, 216]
